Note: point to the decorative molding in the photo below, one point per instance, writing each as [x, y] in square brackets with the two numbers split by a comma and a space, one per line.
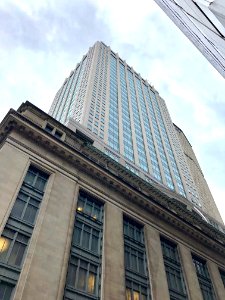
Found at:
[164, 204]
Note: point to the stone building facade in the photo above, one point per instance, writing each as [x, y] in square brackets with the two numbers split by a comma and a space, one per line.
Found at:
[76, 224]
[131, 122]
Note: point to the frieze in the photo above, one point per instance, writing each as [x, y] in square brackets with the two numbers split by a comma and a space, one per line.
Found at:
[87, 159]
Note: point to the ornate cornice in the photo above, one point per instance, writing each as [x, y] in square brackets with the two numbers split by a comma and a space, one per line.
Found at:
[167, 206]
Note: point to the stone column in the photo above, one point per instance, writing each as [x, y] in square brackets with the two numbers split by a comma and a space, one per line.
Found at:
[216, 280]
[113, 279]
[190, 275]
[44, 263]
[13, 168]
[158, 280]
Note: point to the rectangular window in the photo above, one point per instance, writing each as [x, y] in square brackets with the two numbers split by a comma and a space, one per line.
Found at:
[18, 229]
[136, 272]
[6, 290]
[83, 276]
[173, 270]
[135, 291]
[86, 236]
[86, 206]
[222, 274]
[30, 195]
[13, 247]
[49, 128]
[35, 179]
[203, 278]
[58, 134]
[134, 260]
[25, 207]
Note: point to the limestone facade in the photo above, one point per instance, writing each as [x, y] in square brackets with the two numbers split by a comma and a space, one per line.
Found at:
[73, 165]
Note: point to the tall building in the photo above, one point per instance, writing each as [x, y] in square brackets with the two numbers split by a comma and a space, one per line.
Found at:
[131, 121]
[77, 225]
[105, 205]
[203, 23]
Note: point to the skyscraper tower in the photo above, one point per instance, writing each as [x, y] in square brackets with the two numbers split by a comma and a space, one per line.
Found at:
[130, 119]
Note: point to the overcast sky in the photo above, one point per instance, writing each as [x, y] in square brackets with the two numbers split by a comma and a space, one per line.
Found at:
[42, 41]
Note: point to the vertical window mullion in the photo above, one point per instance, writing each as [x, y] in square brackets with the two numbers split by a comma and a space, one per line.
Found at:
[18, 232]
[77, 273]
[87, 252]
[35, 179]
[173, 270]
[203, 278]
[81, 235]
[25, 207]
[13, 245]
[135, 275]
[91, 238]
[87, 277]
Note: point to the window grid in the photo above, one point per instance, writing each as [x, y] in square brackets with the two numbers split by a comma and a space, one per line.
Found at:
[18, 229]
[203, 278]
[83, 276]
[136, 291]
[79, 103]
[168, 146]
[158, 138]
[26, 207]
[6, 290]
[173, 270]
[98, 99]
[127, 133]
[65, 99]
[136, 272]
[190, 185]
[13, 247]
[137, 125]
[151, 146]
[29, 197]
[60, 103]
[113, 131]
[86, 236]
[76, 88]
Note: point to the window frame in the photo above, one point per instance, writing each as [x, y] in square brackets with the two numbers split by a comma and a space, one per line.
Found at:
[7, 284]
[14, 241]
[134, 242]
[204, 279]
[173, 269]
[89, 213]
[17, 231]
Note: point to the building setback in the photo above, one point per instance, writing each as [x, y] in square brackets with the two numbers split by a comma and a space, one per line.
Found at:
[75, 224]
[131, 121]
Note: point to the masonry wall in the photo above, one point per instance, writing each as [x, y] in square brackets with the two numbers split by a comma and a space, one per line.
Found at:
[207, 201]
[45, 266]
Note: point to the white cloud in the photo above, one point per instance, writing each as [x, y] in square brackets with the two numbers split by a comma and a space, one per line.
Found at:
[43, 40]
